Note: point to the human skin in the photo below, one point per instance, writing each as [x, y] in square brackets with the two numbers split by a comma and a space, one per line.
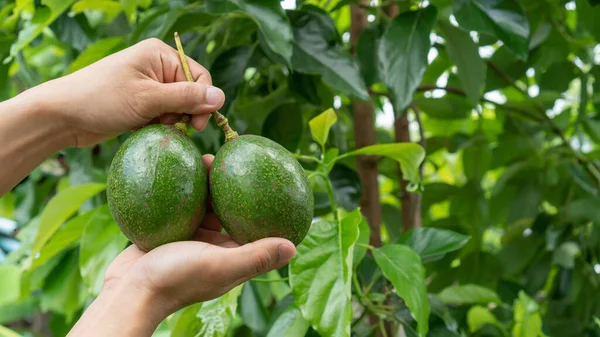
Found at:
[140, 85]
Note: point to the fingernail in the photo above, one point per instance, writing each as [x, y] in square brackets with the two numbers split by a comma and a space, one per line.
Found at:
[286, 252]
[214, 96]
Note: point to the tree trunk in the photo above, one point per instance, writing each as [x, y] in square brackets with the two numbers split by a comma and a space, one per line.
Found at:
[364, 135]
[411, 202]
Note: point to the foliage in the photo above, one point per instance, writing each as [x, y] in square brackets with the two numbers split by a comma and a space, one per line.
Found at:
[506, 95]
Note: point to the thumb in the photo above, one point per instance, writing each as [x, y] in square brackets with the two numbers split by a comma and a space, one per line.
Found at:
[259, 257]
[186, 97]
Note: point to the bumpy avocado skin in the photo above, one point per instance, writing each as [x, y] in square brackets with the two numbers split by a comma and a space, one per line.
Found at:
[258, 190]
[157, 187]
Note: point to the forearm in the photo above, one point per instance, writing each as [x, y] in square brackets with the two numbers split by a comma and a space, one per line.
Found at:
[31, 130]
[119, 311]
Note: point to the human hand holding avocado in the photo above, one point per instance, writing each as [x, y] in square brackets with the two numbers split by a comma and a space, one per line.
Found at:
[138, 86]
[141, 289]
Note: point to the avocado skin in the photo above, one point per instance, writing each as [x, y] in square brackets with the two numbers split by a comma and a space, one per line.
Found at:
[258, 190]
[157, 187]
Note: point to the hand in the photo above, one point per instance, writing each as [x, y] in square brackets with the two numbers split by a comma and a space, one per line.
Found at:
[136, 86]
[182, 273]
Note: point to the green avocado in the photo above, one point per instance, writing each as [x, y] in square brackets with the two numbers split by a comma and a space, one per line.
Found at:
[157, 187]
[258, 190]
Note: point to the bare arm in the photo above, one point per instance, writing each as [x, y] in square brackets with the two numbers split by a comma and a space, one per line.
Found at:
[124, 91]
[140, 85]
[29, 133]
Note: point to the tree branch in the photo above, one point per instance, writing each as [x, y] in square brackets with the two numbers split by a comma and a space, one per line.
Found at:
[365, 135]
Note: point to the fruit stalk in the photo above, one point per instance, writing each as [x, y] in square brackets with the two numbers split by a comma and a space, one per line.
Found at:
[221, 120]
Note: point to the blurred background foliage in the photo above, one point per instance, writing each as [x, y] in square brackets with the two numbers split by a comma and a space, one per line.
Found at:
[502, 94]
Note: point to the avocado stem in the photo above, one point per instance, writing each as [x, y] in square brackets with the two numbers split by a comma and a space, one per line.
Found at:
[221, 120]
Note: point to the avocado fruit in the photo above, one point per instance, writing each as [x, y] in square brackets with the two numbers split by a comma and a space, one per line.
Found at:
[157, 187]
[258, 190]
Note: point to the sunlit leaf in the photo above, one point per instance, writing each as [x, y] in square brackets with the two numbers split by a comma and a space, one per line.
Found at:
[290, 323]
[6, 332]
[320, 275]
[464, 53]
[43, 18]
[363, 238]
[527, 317]
[60, 208]
[272, 22]
[7, 206]
[321, 53]
[109, 8]
[408, 155]
[64, 290]
[101, 242]
[215, 316]
[468, 294]
[320, 125]
[9, 283]
[403, 53]
[402, 266]
[95, 52]
[66, 236]
[433, 243]
[479, 316]
[503, 19]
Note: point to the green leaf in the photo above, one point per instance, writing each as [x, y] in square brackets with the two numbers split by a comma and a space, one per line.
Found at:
[227, 72]
[285, 126]
[7, 206]
[527, 317]
[6, 332]
[366, 55]
[363, 238]
[101, 242]
[187, 324]
[566, 254]
[558, 76]
[157, 22]
[587, 16]
[216, 315]
[464, 53]
[321, 53]
[403, 53]
[254, 314]
[272, 22]
[503, 19]
[402, 266]
[408, 155]
[108, 7]
[289, 323]
[477, 160]
[66, 235]
[43, 17]
[433, 243]
[468, 294]
[321, 124]
[446, 107]
[10, 278]
[62, 206]
[320, 275]
[95, 52]
[479, 316]
[64, 291]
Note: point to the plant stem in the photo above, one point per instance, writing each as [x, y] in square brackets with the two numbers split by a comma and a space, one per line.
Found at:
[308, 158]
[331, 197]
[221, 120]
[365, 246]
[382, 328]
